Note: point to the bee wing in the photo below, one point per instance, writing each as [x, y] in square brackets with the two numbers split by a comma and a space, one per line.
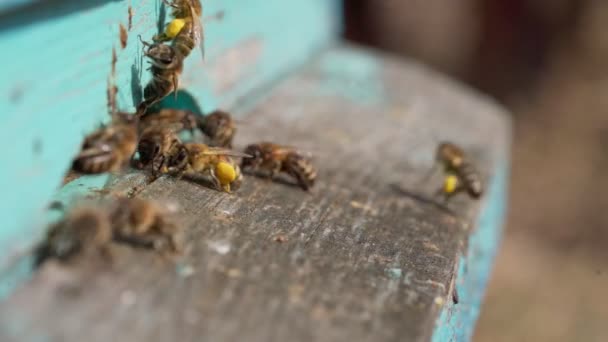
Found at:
[197, 29]
[303, 152]
[200, 38]
[226, 152]
[93, 151]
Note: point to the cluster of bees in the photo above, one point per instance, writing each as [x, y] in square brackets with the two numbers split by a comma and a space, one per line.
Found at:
[89, 229]
[150, 141]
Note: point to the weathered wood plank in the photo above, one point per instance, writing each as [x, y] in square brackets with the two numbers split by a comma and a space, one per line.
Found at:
[363, 261]
[54, 81]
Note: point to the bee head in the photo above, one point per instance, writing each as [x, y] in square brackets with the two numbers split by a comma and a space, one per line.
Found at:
[256, 154]
[160, 54]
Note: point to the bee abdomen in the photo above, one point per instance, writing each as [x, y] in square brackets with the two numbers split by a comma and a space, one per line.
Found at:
[95, 161]
[302, 169]
[184, 45]
[472, 180]
[157, 89]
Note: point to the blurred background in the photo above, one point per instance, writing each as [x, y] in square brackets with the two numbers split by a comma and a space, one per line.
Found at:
[547, 61]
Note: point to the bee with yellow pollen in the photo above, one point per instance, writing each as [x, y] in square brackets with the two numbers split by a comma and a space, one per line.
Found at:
[215, 163]
[461, 175]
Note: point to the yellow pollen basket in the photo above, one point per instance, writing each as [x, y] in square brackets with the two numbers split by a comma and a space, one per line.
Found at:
[174, 27]
[225, 173]
[450, 184]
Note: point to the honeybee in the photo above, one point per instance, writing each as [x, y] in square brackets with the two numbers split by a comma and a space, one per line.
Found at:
[186, 29]
[109, 148]
[461, 174]
[162, 152]
[219, 127]
[166, 67]
[174, 119]
[143, 223]
[273, 159]
[84, 230]
[215, 163]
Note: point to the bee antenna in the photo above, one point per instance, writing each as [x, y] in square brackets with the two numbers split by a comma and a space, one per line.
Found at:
[143, 41]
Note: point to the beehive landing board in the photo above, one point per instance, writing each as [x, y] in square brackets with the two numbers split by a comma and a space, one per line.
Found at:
[365, 257]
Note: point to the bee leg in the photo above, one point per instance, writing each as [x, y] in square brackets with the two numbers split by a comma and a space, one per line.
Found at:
[145, 43]
[177, 172]
[236, 184]
[444, 197]
[152, 177]
[158, 165]
[303, 184]
[227, 188]
[106, 254]
[216, 181]
[275, 169]
[160, 38]
[175, 84]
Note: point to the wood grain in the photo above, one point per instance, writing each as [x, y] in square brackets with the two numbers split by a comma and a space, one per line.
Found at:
[55, 81]
[366, 256]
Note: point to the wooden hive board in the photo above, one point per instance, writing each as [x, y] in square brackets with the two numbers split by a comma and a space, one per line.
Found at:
[368, 256]
[54, 83]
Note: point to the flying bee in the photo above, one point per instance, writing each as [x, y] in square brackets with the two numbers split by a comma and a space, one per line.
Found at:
[162, 152]
[219, 127]
[83, 230]
[143, 223]
[461, 174]
[274, 159]
[186, 29]
[166, 67]
[109, 148]
[176, 119]
[215, 163]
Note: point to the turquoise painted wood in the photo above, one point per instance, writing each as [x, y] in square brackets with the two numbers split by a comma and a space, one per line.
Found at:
[457, 321]
[54, 82]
